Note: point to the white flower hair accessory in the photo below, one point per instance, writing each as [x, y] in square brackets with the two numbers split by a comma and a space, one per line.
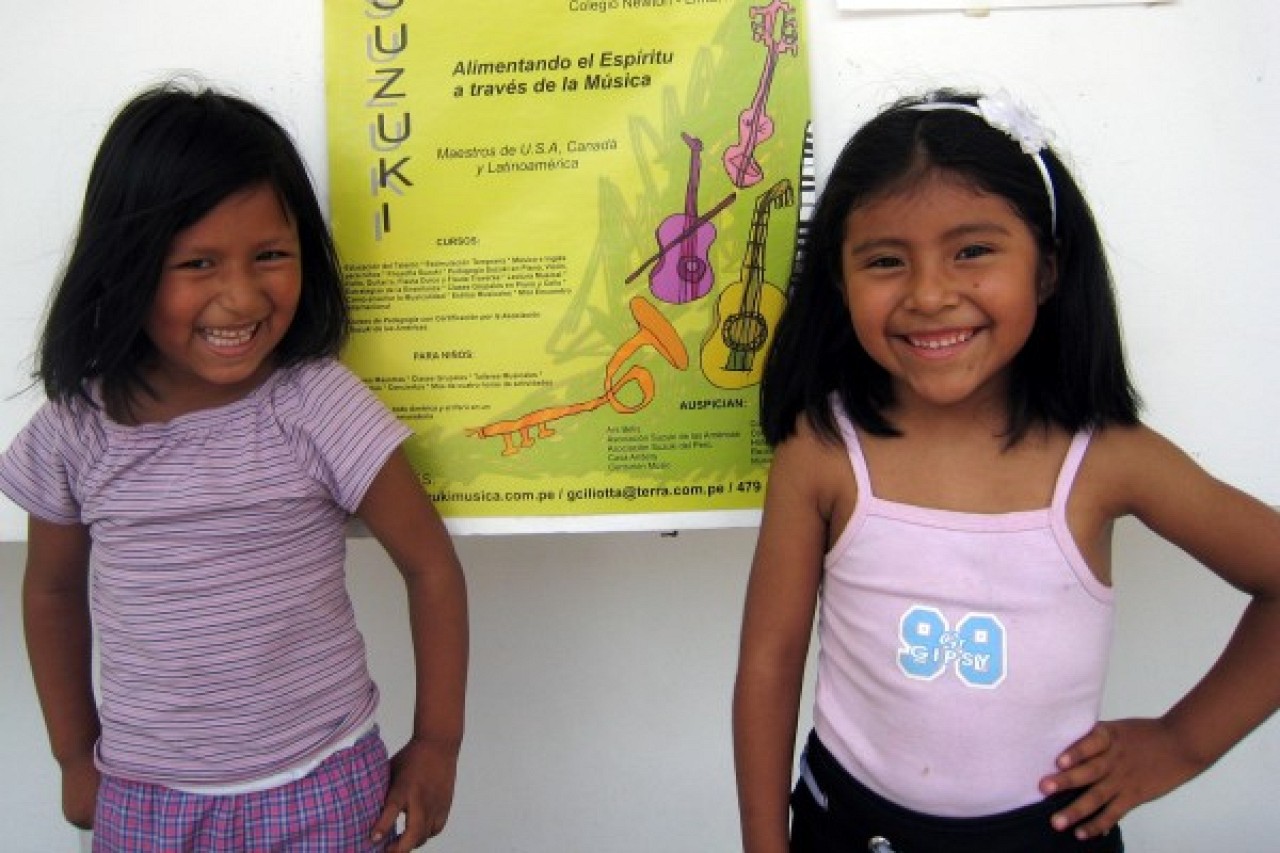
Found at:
[1011, 117]
[1004, 112]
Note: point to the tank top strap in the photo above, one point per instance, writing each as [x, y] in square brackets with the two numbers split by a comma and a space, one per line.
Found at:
[861, 473]
[1070, 467]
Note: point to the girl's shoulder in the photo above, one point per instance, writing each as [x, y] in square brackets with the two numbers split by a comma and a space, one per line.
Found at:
[73, 418]
[336, 426]
[1135, 470]
[326, 402]
[313, 387]
[51, 455]
[807, 446]
[815, 470]
[1143, 474]
[1123, 450]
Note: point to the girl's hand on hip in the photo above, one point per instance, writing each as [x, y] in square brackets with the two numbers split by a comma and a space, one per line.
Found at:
[422, 778]
[1118, 766]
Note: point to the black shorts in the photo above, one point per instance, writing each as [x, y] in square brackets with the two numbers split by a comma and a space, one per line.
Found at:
[844, 816]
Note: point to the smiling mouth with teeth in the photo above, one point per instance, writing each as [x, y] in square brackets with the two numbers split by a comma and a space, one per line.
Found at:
[229, 337]
[942, 341]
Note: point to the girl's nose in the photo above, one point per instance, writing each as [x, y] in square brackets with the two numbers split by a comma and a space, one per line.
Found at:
[240, 290]
[930, 289]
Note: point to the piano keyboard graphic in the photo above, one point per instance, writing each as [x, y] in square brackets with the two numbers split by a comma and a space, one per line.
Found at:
[808, 197]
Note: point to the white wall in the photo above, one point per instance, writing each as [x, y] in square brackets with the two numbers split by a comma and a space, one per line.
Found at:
[602, 663]
[602, 667]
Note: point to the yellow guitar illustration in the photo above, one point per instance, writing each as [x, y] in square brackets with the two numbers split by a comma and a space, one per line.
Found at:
[747, 311]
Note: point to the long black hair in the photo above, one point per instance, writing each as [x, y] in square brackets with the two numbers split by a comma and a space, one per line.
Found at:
[172, 154]
[1071, 372]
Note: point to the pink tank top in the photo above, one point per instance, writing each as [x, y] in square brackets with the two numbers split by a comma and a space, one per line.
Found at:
[959, 653]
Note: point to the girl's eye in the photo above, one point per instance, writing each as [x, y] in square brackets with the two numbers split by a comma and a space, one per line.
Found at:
[194, 264]
[883, 262]
[273, 255]
[971, 252]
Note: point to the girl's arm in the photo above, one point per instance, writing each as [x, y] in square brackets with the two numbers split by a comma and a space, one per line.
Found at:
[399, 514]
[59, 635]
[1126, 763]
[777, 622]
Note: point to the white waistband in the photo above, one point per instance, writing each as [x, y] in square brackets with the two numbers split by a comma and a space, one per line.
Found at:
[284, 777]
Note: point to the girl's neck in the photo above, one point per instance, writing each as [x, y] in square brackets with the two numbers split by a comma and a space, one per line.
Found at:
[978, 417]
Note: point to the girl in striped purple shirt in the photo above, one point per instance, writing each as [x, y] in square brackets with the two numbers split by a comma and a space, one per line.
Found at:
[188, 485]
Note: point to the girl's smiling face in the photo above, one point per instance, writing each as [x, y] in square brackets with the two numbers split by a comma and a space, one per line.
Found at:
[227, 294]
[943, 282]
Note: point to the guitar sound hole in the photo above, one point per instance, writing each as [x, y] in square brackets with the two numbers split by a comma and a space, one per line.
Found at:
[745, 331]
[692, 269]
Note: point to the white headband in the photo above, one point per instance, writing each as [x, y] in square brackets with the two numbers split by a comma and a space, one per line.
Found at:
[1006, 114]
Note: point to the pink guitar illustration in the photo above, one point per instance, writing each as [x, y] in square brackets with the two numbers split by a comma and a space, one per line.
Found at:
[774, 26]
[685, 275]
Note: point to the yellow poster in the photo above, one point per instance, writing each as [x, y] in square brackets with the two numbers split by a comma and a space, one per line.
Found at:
[567, 228]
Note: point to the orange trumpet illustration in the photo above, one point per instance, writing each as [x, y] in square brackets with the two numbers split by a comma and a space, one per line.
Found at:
[653, 330]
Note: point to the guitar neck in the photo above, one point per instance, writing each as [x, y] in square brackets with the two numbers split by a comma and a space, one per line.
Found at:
[753, 259]
[766, 81]
[691, 189]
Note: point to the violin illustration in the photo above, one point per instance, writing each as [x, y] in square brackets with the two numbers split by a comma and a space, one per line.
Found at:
[746, 314]
[685, 275]
[694, 225]
[774, 26]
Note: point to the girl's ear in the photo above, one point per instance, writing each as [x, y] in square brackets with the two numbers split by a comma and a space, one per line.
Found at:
[1047, 280]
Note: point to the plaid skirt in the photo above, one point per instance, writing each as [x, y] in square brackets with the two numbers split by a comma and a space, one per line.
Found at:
[332, 808]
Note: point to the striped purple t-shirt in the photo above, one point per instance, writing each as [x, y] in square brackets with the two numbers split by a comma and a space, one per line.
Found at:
[228, 644]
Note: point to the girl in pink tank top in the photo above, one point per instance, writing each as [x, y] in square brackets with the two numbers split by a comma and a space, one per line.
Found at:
[955, 434]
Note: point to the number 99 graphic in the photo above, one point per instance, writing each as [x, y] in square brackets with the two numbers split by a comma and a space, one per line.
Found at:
[975, 648]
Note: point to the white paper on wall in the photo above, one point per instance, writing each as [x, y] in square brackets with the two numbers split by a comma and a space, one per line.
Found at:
[978, 5]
